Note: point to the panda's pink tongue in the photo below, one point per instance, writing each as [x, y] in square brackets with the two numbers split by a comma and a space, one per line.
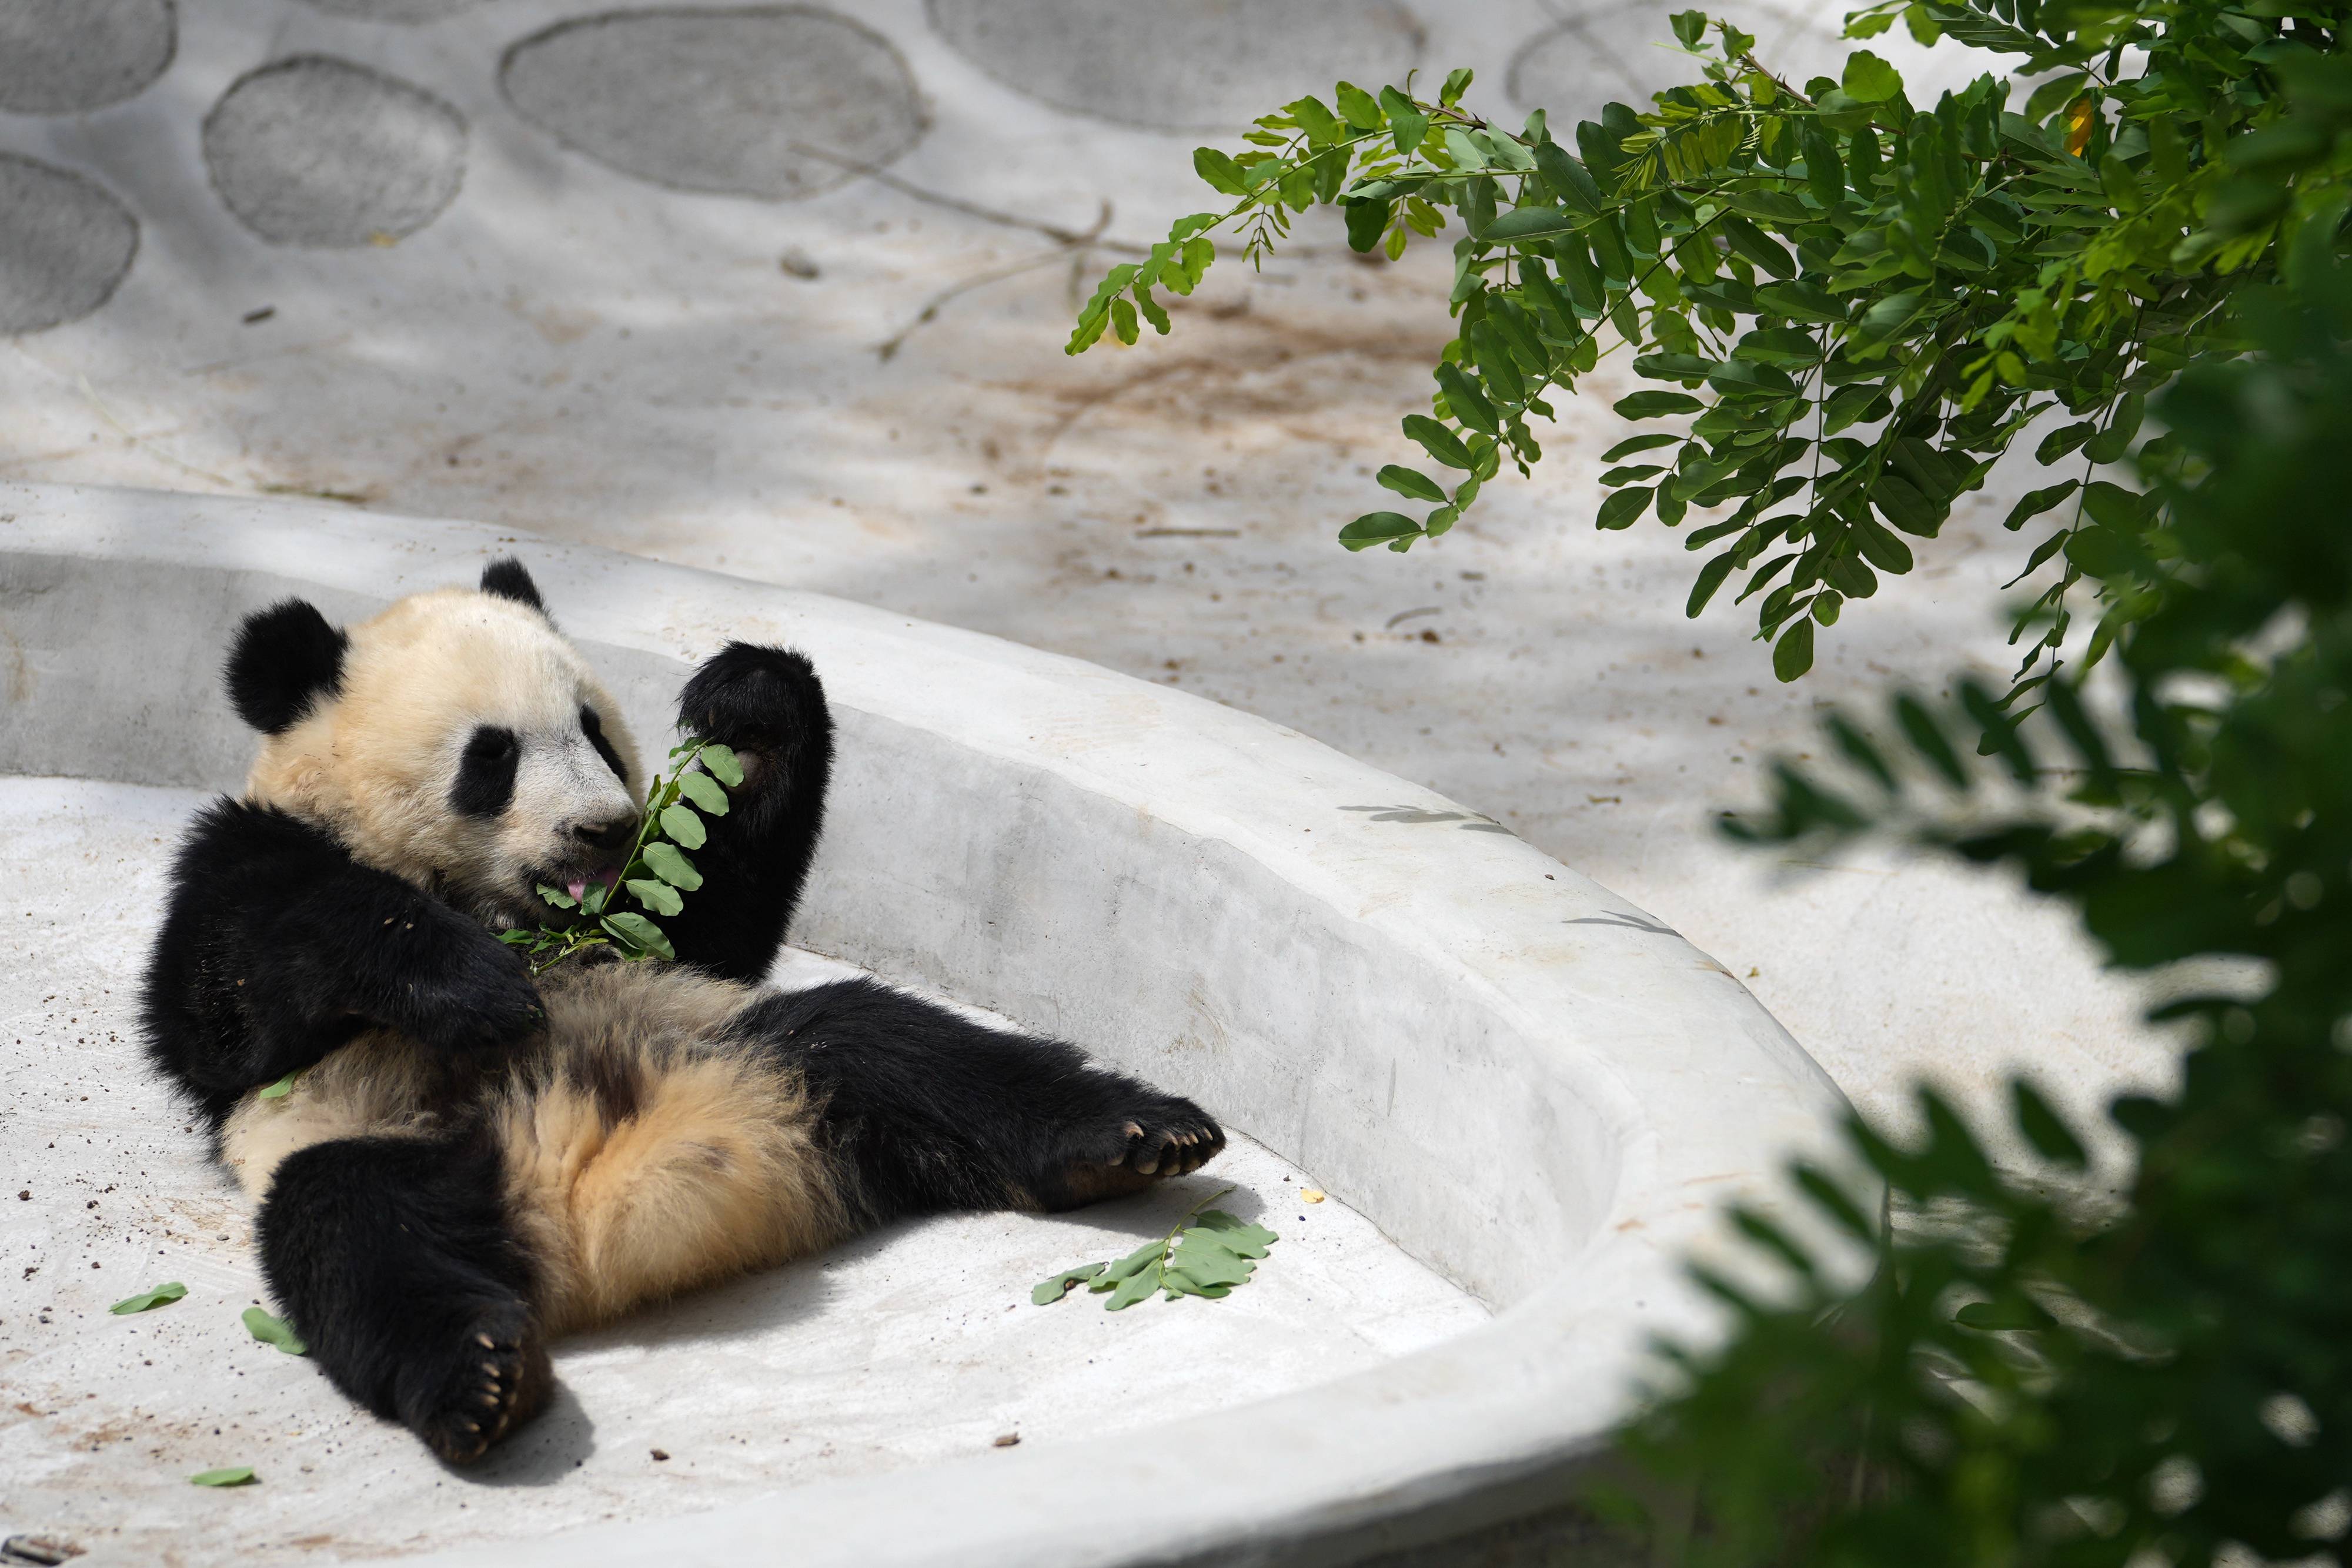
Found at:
[579, 885]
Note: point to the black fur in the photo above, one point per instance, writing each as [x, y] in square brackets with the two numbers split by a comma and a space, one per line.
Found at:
[277, 947]
[285, 658]
[592, 727]
[395, 1258]
[925, 1111]
[506, 578]
[486, 773]
[768, 706]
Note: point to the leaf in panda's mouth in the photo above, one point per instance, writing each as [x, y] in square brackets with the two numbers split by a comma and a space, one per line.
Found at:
[654, 872]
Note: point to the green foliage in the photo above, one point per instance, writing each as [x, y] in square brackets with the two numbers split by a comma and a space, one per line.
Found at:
[155, 1296]
[229, 1476]
[275, 1331]
[1862, 302]
[1206, 1253]
[2025, 1383]
[654, 873]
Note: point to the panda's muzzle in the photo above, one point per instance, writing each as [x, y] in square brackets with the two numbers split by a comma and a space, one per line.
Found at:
[609, 835]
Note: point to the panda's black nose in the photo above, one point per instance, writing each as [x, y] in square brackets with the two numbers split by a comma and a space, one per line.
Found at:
[612, 833]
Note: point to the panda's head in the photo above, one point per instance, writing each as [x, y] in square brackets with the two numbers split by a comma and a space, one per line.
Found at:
[457, 740]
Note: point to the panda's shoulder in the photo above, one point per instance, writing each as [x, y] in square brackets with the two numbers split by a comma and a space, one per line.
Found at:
[234, 831]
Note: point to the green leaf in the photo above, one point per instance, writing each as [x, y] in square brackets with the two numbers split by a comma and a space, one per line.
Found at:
[1411, 483]
[273, 1331]
[154, 1296]
[282, 1088]
[1200, 1259]
[1622, 508]
[1238, 1235]
[1529, 225]
[1137, 1287]
[636, 932]
[556, 897]
[1358, 108]
[1633, 444]
[1377, 527]
[1456, 83]
[1690, 26]
[1656, 404]
[2044, 1128]
[657, 896]
[1048, 1292]
[230, 1476]
[1439, 442]
[1468, 403]
[1367, 222]
[667, 863]
[1792, 655]
[704, 791]
[683, 826]
[1220, 171]
[1145, 1257]
[2036, 502]
[724, 765]
[1710, 578]
[1869, 80]
[1799, 301]
[1407, 125]
[1320, 123]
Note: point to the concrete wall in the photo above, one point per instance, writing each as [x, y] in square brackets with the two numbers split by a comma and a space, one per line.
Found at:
[1529, 1084]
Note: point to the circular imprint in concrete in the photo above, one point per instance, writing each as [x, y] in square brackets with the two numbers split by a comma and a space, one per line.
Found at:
[393, 10]
[65, 245]
[62, 57]
[747, 102]
[319, 151]
[1180, 65]
[1579, 65]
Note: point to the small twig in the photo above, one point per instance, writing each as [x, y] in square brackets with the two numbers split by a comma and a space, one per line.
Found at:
[1055, 232]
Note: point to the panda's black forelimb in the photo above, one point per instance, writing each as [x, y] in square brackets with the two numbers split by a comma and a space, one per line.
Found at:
[277, 947]
[768, 704]
[924, 1111]
[394, 1260]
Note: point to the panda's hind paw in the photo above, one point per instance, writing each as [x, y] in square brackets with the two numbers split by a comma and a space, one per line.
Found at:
[1160, 1137]
[483, 1389]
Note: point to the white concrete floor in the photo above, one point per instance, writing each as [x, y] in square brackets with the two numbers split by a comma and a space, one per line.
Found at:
[754, 387]
[913, 1344]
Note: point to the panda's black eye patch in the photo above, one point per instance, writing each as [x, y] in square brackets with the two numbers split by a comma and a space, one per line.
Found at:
[485, 774]
[594, 729]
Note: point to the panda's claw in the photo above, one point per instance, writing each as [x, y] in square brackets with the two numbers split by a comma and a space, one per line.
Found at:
[479, 1400]
[1164, 1137]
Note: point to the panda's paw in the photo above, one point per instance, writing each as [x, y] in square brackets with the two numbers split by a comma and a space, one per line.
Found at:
[471, 1395]
[762, 700]
[481, 998]
[1155, 1138]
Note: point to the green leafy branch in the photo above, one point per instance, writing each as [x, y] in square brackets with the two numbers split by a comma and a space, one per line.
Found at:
[1205, 1253]
[1855, 304]
[2048, 1376]
[656, 873]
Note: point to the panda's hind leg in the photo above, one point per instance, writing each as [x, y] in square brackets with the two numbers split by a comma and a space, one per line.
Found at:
[396, 1258]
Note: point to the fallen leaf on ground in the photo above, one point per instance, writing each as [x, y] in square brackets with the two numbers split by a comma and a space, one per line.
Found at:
[170, 1290]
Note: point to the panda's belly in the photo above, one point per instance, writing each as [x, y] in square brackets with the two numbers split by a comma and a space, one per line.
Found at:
[647, 1148]
[607, 1026]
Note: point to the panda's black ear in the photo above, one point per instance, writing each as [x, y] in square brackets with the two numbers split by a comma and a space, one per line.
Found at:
[285, 658]
[506, 578]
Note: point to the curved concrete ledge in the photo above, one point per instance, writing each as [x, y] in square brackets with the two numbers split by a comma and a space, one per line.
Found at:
[1532, 1086]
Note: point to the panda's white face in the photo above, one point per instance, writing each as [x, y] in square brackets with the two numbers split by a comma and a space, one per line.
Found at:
[467, 748]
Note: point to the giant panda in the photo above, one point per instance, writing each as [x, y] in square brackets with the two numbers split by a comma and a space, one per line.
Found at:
[471, 1164]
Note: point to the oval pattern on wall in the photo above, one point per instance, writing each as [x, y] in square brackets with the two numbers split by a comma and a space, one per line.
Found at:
[1198, 65]
[67, 56]
[780, 102]
[319, 151]
[64, 248]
